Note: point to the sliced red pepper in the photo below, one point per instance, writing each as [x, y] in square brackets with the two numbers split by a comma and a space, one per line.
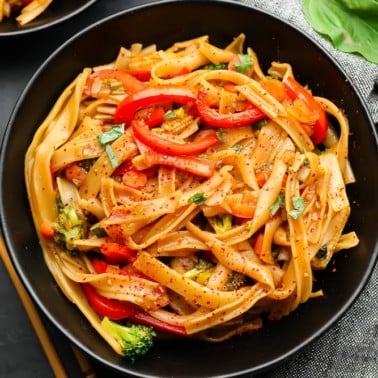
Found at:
[116, 253]
[296, 90]
[129, 82]
[151, 96]
[192, 164]
[153, 116]
[111, 308]
[142, 317]
[127, 165]
[215, 119]
[145, 135]
[117, 310]
[99, 265]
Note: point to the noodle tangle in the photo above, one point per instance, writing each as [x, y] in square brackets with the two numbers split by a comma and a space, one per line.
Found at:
[208, 177]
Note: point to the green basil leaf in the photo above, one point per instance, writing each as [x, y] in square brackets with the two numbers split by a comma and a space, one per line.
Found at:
[111, 155]
[220, 135]
[111, 135]
[214, 67]
[298, 207]
[245, 65]
[351, 25]
[198, 198]
[360, 5]
[237, 147]
[278, 204]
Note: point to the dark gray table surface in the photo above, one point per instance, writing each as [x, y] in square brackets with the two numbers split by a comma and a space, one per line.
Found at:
[20, 352]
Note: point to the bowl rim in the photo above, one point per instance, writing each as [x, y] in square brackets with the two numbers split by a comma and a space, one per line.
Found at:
[7, 134]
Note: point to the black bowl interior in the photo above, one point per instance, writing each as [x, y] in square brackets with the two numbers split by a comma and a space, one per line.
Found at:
[58, 11]
[165, 23]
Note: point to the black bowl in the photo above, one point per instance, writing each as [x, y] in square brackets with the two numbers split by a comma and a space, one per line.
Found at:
[164, 23]
[58, 11]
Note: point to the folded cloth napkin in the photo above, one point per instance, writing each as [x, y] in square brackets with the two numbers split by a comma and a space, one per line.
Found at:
[350, 348]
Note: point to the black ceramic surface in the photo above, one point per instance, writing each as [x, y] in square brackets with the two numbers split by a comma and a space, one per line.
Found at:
[163, 24]
[58, 11]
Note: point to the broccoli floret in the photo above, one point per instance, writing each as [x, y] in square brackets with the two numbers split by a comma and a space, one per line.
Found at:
[222, 223]
[235, 281]
[201, 271]
[135, 339]
[69, 226]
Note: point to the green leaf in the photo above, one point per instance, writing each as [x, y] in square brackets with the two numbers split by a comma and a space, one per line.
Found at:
[111, 155]
[278, 204]
[237, 147]
[351, 25]
[360, 5]
[298, 207]
[111, 135]
[214, 67]
[220, 135]
[198, 198]
[245, 65]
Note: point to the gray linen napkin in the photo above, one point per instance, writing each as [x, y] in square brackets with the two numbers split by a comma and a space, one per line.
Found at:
[350, 348]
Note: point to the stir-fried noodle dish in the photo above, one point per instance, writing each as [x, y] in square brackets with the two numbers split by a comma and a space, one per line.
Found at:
[23, 11]
[186, 191]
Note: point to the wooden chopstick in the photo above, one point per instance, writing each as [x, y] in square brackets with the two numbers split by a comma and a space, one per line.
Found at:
[39, 328]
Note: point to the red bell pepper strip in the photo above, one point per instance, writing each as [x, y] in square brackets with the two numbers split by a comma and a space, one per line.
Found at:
[296, 90]
[99, 265]
[153, 116]
[192, 164]
[215, 119]
[151, 96]
[129, 82]
[116, 253]
[142, 317]
[145, 135]
[111, 308]
[117, 310]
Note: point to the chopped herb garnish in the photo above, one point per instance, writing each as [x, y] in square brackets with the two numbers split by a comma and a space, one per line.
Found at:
[322, 253]
[170, 114]
[223, 223]
[298, 207]
[220, 135]
[245, 65]
[278, 204]
[213, 67]
[98, 231]
[111, 155]
[198, 198]
[174, 113]
[259, 124]
[111, 135]
[237, 147]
